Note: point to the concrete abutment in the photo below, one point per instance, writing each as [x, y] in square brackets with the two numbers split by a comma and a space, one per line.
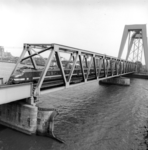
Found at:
[26, 118]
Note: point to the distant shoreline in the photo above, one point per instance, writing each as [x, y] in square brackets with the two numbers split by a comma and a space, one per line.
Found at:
[6, 62]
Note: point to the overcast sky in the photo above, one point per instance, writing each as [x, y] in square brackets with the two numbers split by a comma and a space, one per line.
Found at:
[95, 25]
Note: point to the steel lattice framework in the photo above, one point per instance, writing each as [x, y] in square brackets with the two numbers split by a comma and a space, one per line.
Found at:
[137, 43]
[136, 52]
[82, 67]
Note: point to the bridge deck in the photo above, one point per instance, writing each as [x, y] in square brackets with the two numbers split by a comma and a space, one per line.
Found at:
[81, 83]
[10, 93]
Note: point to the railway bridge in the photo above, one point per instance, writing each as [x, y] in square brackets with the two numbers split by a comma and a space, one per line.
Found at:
[44, 68]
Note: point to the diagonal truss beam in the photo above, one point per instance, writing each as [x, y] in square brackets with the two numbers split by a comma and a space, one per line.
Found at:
[42, 77]
[94, 66]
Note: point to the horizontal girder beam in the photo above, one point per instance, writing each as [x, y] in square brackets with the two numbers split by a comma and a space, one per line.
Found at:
[11, 93]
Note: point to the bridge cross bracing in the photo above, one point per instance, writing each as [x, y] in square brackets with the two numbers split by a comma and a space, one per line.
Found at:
[136, 35]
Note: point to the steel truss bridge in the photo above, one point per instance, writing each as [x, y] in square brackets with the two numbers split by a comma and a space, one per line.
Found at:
[81, 67]
[43, 68]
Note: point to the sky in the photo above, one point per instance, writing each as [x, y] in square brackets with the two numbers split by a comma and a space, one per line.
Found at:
[94, 25]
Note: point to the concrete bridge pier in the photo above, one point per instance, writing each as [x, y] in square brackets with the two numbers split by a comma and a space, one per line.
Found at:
[19, 111]
[27, 118]
[117, 81]
[19, 116]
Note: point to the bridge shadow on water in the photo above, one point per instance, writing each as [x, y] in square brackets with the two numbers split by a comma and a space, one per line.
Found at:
[13, 140]
[2, 128]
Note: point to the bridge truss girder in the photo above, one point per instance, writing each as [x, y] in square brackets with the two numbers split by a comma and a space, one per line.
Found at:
[90, 64]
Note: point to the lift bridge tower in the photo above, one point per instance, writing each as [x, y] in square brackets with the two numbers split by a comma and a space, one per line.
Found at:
[136, 38]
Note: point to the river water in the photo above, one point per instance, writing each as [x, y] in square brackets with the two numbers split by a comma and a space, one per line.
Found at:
[92, 117]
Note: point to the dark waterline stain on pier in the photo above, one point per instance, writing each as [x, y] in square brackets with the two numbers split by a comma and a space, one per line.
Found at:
[92, 117]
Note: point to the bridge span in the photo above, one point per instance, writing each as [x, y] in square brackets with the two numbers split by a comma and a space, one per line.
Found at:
[44, 68]
[80, 67]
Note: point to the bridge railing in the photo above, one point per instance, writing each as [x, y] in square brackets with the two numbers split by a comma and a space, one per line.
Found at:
[65, 66]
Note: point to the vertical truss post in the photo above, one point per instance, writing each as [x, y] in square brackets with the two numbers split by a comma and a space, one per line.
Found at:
[107, 67]
[100, 66]
[123, 66]
[86, 62]
[104, 63]
[116, 66]
[42, 77]
[95, 67]
[89, 67]
[127, 67]
[56, 48]
[134, 67]
[131, 67]
[120, 67]
[81, 65]
[111, 66]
